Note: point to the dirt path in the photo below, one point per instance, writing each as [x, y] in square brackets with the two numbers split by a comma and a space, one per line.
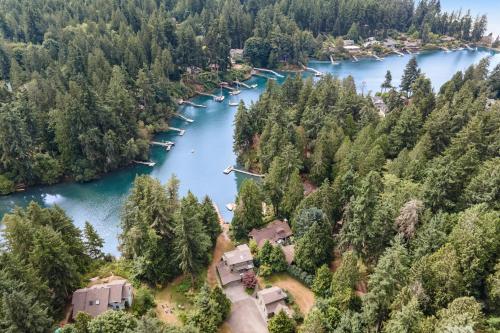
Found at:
[303, 296]
[222, 245]
[166, 303]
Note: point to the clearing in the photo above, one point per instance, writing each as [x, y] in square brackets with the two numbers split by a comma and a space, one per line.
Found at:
[303, 296]
[171, 299]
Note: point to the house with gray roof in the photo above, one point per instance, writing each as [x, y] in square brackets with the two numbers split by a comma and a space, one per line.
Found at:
[276, 232]
[271, 301]
[97, 299]
[234, 264]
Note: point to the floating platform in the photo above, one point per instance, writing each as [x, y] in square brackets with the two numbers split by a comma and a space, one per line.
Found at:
[147, 163]
[231, 206]
[269, 71]
[231, 168]
[183, 117]
[179, 130]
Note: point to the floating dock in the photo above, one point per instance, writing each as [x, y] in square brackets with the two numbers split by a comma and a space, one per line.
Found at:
[355, 59]
[147, 163]
[231, 168]
[333, 62]
[167, 144]
[268, 71]
[468, 47]
[377, 57]
[180, 130]
[183, 117]
[398, 53]
[316, 72]
[181, 102]
[244, 84]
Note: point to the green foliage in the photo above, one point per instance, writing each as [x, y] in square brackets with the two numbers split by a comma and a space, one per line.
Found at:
[281, 323]
[93, 242]
[314, 248]
[248, 212]
[211, 309]
[411, 74]
[6, 185]
[112, 322]
[322, 282]
[143, 301]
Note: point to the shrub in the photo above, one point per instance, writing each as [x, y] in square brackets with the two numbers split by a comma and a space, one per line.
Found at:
[6, 185]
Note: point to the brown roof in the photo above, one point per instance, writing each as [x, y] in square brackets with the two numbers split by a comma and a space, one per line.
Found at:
[289, 252]
[225, 274]
[271, 295]
[240, 255]
[272, 232]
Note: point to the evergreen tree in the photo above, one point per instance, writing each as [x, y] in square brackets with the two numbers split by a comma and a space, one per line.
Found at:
[322, 282]
[387, 84]
[248, 212]
[93, 242]
[210, 219]
[410, 75]
[281, 323]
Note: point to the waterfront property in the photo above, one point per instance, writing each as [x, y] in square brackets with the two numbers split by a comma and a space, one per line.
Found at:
[233, 264]
[379, 103]
[271, 301]
[276, 232]
[99, 298]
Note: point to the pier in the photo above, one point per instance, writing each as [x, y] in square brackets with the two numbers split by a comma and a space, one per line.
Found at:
[398, 53]
[268, 71]
[377, 57]
[445, 49]
[180, 130]
[226, 85]
[147, 163]
[245, 85]
[231, 168]
[468, 47]
[206, 94]
[184, 117]
[167, 144]
[333, 62]
[316, 72]
[355, 59]
[181, 102]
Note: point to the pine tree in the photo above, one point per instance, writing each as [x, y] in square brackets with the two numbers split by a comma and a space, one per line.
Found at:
[210, 219]
[93, 242]
[281, 323]
[387, 84]
[322, 282]
[248, 212]
[410, 75]
[192, 244]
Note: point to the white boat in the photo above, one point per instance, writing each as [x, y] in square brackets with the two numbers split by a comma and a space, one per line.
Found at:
[255, 85]
[233, 104]
[234, 92]
[219, 98]
[231, 206]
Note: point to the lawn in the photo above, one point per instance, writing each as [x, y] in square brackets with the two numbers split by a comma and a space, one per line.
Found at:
[303, 296]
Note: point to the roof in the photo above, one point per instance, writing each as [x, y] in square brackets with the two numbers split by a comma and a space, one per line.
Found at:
[240, 255]
[272, 232]
[225, 274]
[276, 307]
[271, 295]
[95, 299]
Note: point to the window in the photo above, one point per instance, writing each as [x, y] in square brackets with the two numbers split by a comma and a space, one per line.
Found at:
[97, 302]
[91, 303]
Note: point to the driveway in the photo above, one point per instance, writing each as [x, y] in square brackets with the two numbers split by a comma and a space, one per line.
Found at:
[245, 316]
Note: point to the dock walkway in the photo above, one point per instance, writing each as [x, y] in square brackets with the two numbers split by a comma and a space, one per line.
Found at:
[192, 104]
[269, 71]
[231, 168]
[167, 144]
[183, 117]
[147, 163]
[180, 130]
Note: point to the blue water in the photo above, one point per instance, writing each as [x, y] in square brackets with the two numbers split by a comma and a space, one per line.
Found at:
[205, 150]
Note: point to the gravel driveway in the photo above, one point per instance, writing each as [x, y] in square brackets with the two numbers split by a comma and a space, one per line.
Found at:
[245, 316]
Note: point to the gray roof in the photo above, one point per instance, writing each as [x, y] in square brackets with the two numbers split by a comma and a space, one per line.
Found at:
[271, 295]
[240, 255]
[272, 232]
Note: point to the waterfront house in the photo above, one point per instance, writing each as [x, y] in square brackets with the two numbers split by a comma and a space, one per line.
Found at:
[352, 48]
[97, 299]
[348, 42]
[379, 103]
[271, 301]
[276, 232]
[234, 264]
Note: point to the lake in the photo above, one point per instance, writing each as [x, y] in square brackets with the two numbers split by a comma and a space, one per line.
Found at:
[199, 157]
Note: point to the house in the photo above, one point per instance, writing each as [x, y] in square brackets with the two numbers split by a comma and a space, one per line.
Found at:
[352, 48]
[379, 103]
[348, 42]
[390, 43]
[276, 232]
[234, 263]
[447, 39]
[412, 46]
[97, 299]
[271, 301]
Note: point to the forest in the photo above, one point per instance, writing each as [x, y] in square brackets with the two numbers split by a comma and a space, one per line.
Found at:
[84, 84]
[408, 203]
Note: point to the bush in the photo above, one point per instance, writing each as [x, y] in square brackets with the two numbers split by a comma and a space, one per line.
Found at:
[300, 275]
[143, 301]
[6, 185]
[249, 280]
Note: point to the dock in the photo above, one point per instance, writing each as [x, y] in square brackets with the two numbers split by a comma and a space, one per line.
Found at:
[181, 102]
[244, 84]
[355, 59]
[445, 49]
[377, 57]
[468, 47]
[231, 168]
[167, 144]
[398, 53]
[268, 71]
[316, 72]
[180, 130]
[184, 117]
[206, 94]
[147, 163]
[409, 52]
[226, 85]
[333, 62]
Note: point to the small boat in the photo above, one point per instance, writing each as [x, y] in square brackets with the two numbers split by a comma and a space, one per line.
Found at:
[219, 99]
[234, 92]
[233, 104]
[231, 206]
[255, 85]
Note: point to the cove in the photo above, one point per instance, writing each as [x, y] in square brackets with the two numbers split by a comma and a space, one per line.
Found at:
[199, 157]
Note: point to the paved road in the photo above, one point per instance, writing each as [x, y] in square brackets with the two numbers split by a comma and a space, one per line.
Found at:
[245, 316]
